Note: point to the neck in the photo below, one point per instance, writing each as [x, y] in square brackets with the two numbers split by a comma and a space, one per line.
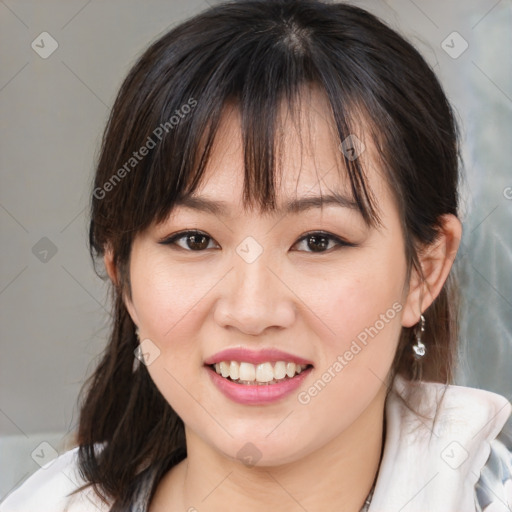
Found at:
[339, 476]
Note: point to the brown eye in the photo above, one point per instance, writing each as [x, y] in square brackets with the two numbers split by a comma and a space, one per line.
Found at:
[319, 242]
[315, 242]
[193, 240]
[197, 242]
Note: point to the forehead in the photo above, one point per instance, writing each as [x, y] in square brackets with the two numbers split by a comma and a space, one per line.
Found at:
[310, 163]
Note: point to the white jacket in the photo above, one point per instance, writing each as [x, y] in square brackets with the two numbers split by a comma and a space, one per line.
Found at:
[463, 464]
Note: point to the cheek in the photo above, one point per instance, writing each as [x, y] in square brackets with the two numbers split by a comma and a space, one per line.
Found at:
[167, 297]
[167, 303]
[361, 309]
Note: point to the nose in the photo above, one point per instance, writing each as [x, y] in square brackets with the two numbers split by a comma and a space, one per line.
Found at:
[254, 297]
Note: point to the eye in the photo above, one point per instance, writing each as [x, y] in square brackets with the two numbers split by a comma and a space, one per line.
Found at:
[195, 241]
[319, 241]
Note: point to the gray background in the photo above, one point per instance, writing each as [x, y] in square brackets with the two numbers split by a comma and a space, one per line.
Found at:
[53, 316]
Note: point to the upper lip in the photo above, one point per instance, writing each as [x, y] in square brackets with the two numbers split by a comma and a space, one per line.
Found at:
[255, 356]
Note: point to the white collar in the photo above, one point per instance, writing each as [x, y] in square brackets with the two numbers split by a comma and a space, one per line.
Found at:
[429, 468]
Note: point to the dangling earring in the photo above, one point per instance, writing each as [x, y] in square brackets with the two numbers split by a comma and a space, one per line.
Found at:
[419, 348]
[136, 360]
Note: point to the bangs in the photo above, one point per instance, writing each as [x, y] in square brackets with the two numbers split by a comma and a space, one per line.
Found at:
[262, 117]
[260, 59]
[176, 107]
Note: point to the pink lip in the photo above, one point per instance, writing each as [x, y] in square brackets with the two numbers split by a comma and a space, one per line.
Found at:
[255, 356]
[256, 394]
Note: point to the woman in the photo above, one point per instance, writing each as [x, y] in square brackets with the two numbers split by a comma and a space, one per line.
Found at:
[276, 204]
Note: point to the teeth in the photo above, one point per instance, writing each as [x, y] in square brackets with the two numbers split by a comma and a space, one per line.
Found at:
[262, 373]
[224, 369]
[234, 370]
[290, 369]
[247, 372]
[280, 370]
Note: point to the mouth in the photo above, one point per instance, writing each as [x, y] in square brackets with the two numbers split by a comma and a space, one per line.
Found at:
[262, 374]
[257, 377]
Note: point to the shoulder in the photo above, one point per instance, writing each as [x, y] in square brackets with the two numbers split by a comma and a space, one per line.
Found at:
[494, 487]
[461, 437]
[49, 490]
[492, 467]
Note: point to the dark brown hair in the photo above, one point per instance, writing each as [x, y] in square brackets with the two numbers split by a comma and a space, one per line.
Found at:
[255, 54]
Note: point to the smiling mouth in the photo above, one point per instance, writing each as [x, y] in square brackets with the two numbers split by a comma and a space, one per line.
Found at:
[258, 374]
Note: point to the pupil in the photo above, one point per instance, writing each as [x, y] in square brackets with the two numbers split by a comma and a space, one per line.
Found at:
[314, 238]
[197, 245]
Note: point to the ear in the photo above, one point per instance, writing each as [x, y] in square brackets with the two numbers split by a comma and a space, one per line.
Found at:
[108, 259]
[436, 261]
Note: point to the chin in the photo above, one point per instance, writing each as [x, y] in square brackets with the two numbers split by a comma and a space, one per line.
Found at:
[254, 447]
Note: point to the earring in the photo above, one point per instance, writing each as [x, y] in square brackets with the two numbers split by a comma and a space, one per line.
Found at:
[419, 348]
[136, 360]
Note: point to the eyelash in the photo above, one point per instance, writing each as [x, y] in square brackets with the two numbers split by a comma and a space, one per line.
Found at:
[171, 240]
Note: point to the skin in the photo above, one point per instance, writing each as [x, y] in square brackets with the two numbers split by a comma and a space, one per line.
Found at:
[322, 455]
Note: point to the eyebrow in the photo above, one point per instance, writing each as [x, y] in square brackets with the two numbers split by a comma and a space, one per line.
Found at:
[293, 206]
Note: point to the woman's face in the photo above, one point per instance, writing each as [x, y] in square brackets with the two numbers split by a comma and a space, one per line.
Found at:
[256, 284]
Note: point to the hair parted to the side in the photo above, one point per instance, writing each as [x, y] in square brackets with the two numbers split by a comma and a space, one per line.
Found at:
[255, 54]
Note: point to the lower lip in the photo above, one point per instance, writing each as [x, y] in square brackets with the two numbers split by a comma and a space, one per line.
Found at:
[257, 394]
